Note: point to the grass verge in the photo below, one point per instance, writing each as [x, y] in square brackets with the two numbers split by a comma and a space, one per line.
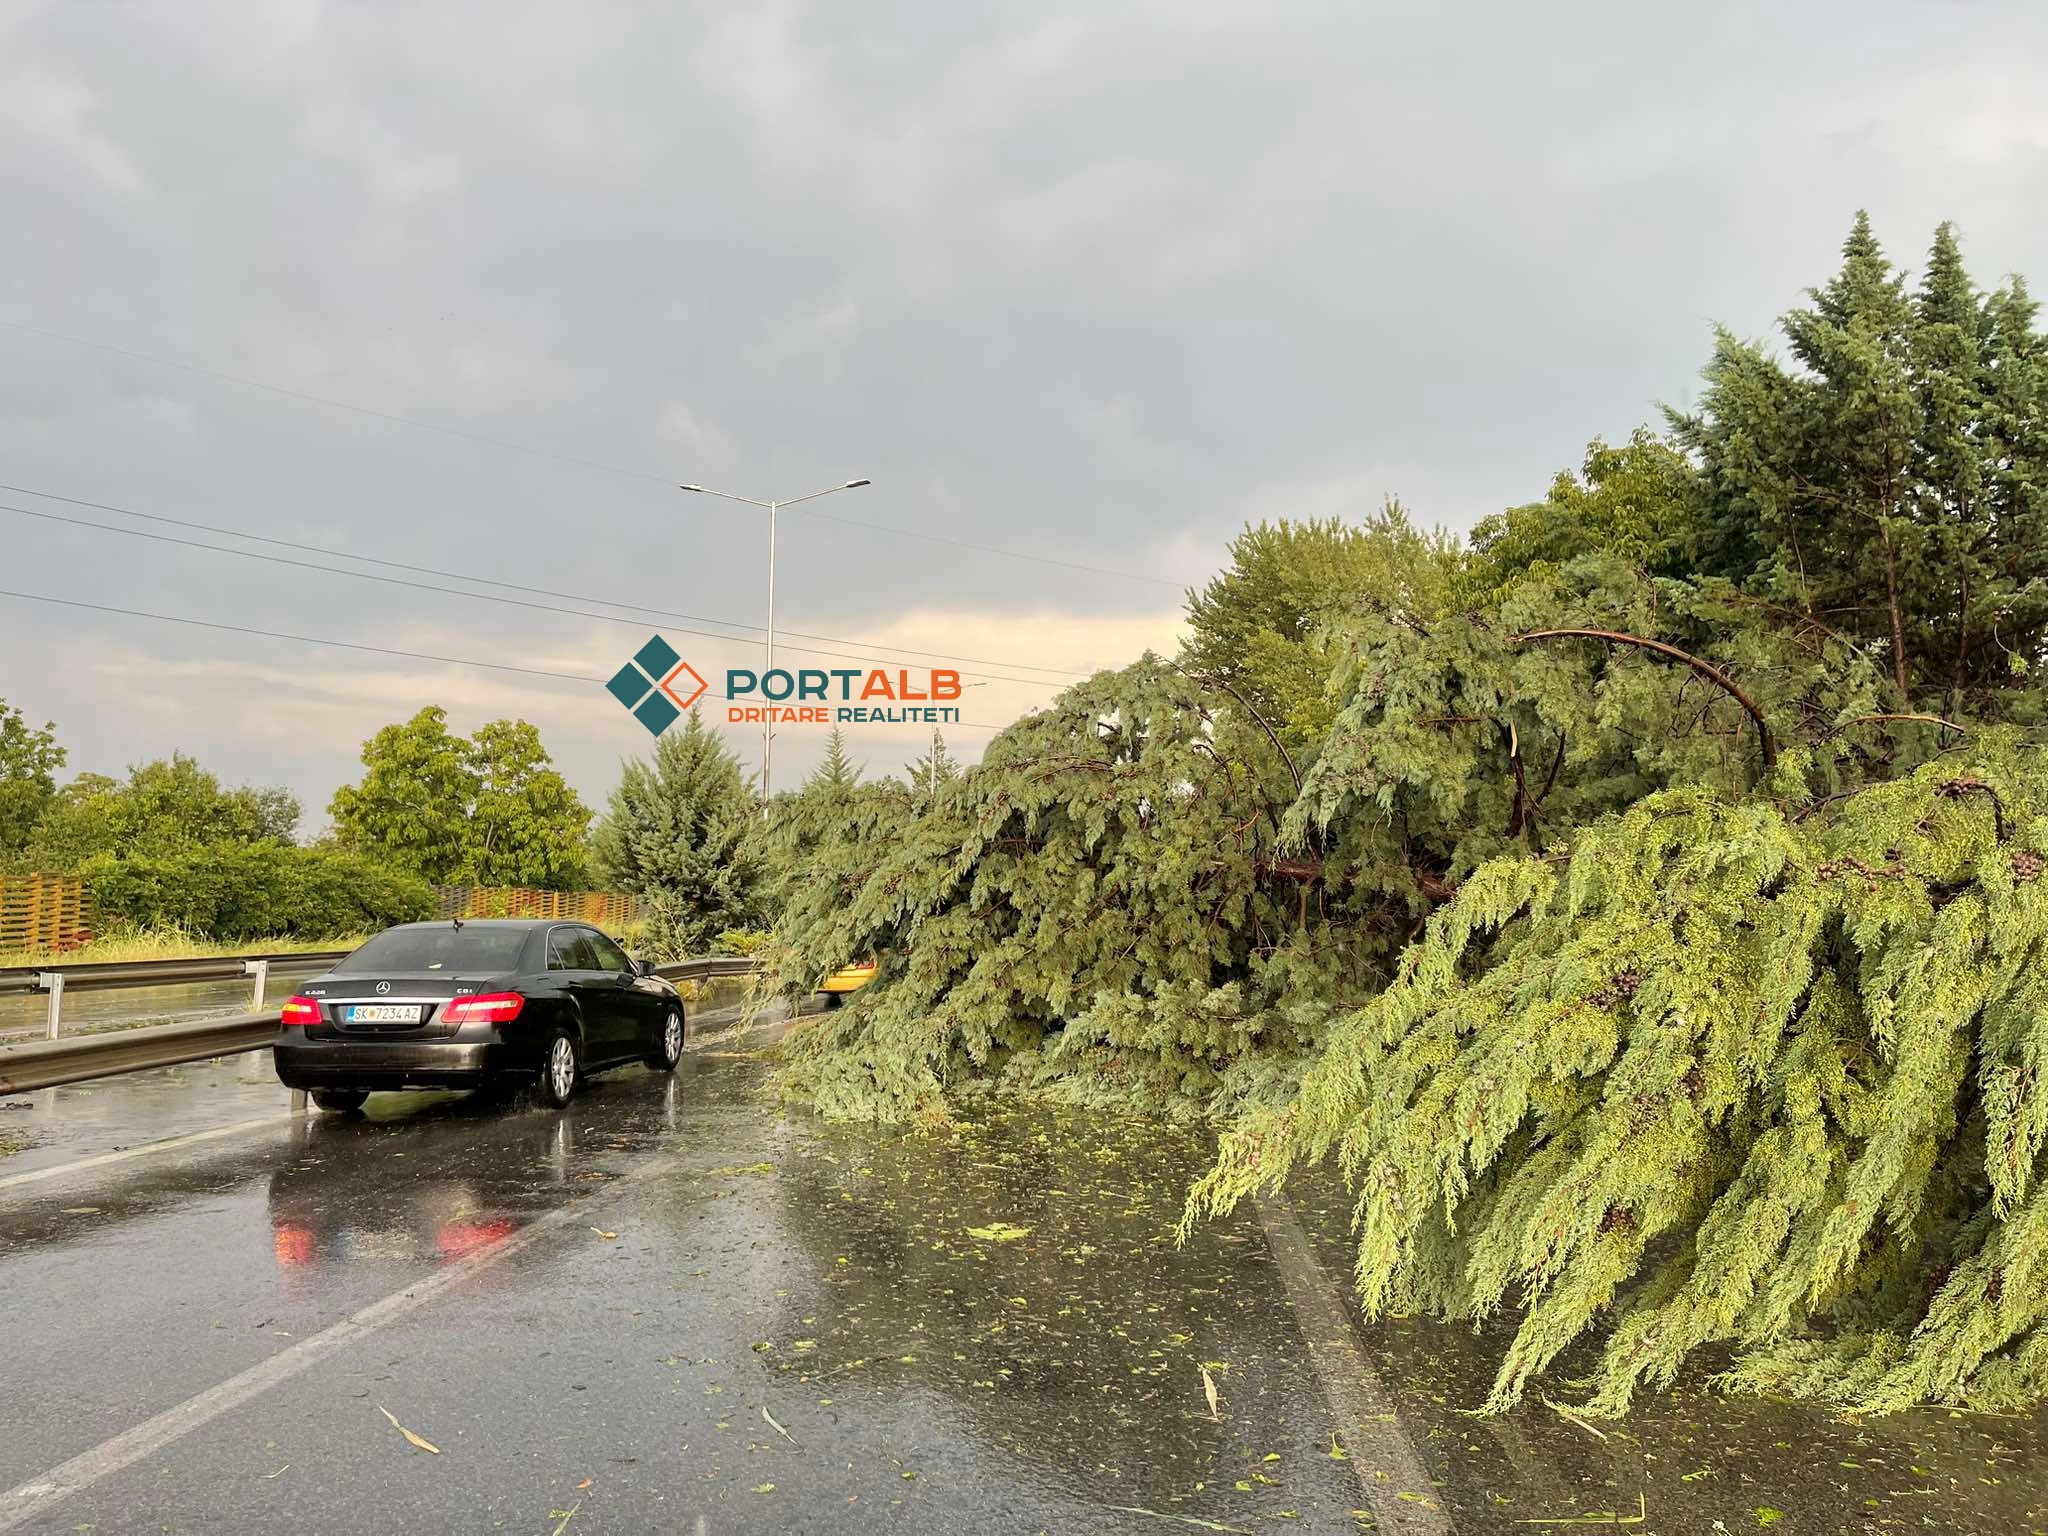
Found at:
[169, 944]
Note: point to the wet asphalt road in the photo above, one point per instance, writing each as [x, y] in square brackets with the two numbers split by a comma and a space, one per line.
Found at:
[724, 1321]
[672, 1309]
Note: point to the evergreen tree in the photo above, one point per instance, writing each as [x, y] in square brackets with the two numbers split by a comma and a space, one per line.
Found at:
[2008, 611]
[1263, 627]
[1730, 1075]
[674, 832]
[1650, 923]
[1099, 908]
[1891, 485]
[836, 772]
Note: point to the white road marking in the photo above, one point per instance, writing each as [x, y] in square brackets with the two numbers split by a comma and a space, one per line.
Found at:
[27, 1500]
[1382, 1455]
[169, 1144]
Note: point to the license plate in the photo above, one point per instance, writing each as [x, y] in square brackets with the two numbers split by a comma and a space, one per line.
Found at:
[383, 1013]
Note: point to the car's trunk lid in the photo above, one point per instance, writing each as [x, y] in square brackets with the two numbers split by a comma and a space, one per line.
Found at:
[394, 1002]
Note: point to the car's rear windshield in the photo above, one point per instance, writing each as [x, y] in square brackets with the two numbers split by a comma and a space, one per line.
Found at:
[439, 949]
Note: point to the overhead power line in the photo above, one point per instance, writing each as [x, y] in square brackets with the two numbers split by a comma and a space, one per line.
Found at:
[428, 586]
[544, 453]
[377, 650]
[508, 586]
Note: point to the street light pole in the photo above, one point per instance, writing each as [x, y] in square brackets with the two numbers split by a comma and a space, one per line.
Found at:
[767, 730]
[768, 665]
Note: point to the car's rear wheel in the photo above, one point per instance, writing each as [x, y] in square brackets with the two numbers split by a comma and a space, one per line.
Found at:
[668, 1045]
[558, 1065]
[340, 1100]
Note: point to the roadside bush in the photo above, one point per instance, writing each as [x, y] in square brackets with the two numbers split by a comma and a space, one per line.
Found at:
[255, 889]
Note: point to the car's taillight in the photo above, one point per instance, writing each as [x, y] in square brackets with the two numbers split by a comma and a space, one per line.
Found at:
[484, 1008]
[299, 1010]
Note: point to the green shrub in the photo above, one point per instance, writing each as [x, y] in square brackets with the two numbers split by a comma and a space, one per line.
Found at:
[255, 889]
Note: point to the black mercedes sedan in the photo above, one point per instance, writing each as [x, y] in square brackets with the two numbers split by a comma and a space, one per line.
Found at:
[473, 1004]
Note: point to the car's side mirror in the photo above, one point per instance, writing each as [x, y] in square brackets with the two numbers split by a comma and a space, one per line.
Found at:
[643, 967]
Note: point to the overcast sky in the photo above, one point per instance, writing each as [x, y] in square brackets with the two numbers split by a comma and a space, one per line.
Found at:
[1090, 283]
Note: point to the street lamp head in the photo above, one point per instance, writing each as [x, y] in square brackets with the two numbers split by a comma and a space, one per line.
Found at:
[697, 488]
[853, 485]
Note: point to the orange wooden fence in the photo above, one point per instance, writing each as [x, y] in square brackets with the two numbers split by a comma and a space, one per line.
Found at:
[606, 909]
[44, 912]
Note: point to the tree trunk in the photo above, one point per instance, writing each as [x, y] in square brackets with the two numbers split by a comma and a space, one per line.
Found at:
[1891, 592]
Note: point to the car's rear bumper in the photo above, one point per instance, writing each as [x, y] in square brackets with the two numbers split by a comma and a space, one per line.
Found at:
[376, 1065]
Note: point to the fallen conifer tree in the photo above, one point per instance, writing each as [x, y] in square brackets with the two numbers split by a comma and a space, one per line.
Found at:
[1728, 1075]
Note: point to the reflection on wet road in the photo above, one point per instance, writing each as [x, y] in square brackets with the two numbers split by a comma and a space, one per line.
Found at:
[672, 1309]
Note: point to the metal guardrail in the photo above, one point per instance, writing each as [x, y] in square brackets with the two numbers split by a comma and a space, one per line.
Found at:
[706, 968]
[54, 981]
[59, 1060]
[77, 1058]
[108, 974]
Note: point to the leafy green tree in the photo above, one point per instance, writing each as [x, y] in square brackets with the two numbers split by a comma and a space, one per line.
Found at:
[526, 825]
[75, 824]
[411, 809]
[796, 824]
[1638, 502]
[1269, 627]
[674, 831]
[486, 811]
[236, 892]
[168, 806]
[29, 760]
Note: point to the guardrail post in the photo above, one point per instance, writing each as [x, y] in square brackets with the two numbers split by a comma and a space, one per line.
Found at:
[259, 973]
[52, 982]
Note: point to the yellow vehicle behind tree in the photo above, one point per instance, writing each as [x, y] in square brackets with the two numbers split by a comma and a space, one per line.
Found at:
[846, 980]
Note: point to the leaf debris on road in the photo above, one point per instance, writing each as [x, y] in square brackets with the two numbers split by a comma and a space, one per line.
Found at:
[413, 1439]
